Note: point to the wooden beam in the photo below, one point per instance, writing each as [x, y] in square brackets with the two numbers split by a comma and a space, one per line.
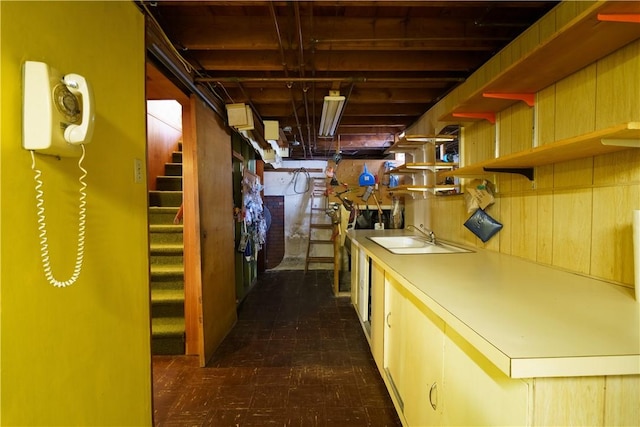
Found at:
[352, 110]
[360, 3]
[340, 61]
[270, 95]
[409, 33]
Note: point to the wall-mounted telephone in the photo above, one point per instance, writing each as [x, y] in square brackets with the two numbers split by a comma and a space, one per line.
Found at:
[58, 112]
[57, 119]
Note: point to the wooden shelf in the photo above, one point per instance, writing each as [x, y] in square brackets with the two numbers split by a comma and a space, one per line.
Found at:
[422, 188]
[410, 189]
[409, 168]
[445, 165]
[581, 42]
[586, 145]
[417, 142]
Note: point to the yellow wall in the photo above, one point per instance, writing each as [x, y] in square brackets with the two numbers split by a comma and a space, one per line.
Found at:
[577, 214]
[78, 355]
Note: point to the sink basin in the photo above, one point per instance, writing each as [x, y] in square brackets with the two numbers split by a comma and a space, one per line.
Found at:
[411, 245]
[400, 241]
[430, 248]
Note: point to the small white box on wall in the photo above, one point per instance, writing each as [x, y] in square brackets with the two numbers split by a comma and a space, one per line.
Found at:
[237, 114]
[271, 130]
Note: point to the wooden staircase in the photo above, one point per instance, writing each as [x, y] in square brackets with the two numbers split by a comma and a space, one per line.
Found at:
[320, 226]
[166, 261]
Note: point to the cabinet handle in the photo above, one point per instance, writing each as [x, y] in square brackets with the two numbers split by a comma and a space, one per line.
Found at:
[388, 324]
[433, 391]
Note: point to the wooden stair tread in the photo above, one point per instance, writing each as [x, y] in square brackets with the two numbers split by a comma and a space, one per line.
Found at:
[166, 248]
[164, 209]
[165, 191]
[166, 270]
[165, 228]
[167, 326]
[167, 296]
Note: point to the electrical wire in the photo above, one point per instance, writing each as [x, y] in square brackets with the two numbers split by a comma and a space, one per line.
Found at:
[225, 91]
[187, 66]
[294, 180]
[42, 227]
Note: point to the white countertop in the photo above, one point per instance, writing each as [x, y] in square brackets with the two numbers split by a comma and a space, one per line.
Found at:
[528, 319]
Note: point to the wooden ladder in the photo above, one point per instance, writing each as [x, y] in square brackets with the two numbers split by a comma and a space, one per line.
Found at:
[319, 225]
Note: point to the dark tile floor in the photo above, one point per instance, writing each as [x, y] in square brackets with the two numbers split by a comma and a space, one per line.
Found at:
[296, 357]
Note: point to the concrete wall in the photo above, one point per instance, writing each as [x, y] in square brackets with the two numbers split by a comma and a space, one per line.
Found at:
[294, 184]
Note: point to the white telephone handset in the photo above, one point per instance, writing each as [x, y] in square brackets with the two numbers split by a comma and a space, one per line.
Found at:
[58, 112]
[80, 134]
[57, 119]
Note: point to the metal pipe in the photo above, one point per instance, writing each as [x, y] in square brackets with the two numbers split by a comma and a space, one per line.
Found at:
[301, 66]
[274, 17]
[408, 39]
[279, 36]
[330, 79]
[296, 8]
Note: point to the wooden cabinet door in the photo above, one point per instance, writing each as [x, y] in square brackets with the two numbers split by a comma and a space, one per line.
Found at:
[394, 341]
[476, 392]
[355, 256]
[362, 297]
[621, 400]
[423, 365]
[377, 314]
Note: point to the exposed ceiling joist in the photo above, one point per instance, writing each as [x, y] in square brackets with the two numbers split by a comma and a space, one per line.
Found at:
[392, 60]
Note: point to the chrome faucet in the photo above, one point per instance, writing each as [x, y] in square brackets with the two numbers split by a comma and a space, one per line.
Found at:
[424, 231]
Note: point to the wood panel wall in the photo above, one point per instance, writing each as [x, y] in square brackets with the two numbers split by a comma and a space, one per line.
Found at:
[191, 236]
[577, 214]
[214, 189]
[162, 140]
[348, 172]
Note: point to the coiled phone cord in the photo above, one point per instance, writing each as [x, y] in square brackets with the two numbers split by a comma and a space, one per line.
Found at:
[42, 227]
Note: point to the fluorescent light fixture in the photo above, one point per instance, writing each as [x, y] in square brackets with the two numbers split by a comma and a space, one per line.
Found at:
[331, 111]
